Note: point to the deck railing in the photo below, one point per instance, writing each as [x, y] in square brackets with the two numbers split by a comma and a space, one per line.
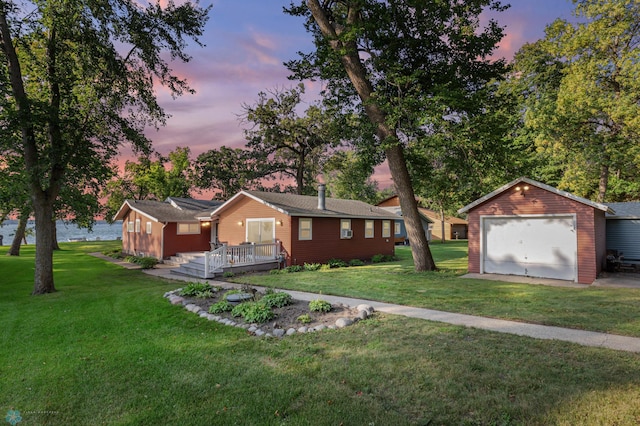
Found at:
[245, 254]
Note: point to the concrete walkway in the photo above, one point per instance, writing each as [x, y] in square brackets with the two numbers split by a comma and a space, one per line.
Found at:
[581, 337]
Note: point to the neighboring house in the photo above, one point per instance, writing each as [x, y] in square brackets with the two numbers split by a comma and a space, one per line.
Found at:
[453, 227]
[623, 230]
[310, 229]
[162, 229]
[392, 204]
[532, 229]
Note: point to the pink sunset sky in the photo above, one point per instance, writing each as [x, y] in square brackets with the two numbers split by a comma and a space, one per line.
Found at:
[247, 42]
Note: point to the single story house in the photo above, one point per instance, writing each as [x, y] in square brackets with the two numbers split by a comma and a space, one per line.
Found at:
[310, 229]
[162, 229]
[453, 228]
[532, 229]
[392, 204]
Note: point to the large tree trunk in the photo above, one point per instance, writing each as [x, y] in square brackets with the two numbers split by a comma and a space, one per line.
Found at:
[354, 68]
[54, 237]
[42, 200]
[43, 280]
[603, 183]
[19, 236]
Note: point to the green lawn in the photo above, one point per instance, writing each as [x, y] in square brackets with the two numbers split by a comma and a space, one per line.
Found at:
[108, 349]
[598, 309]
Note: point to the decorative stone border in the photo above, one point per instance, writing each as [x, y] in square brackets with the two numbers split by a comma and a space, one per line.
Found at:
[364, 312]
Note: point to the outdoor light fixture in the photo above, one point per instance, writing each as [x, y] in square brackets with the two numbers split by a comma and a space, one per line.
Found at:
[522, 189]
[279, 222]
[240, 223]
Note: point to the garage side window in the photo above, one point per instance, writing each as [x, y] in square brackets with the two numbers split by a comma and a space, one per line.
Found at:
[304, 229]
[397, 228]
[188, 228]
[138, 225]
[148, 227]
[368, 229]
[130, 226]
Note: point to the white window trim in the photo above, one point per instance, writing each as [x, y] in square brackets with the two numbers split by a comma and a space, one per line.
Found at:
[300, 229]
[149, 227]
[190, 231]
[260, 219]
[130, 226]
[386, 229]
[349, 234]
[137, 226]
[368, 222]
[397, 228]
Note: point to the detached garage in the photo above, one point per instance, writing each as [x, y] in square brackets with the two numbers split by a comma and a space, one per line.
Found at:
[531, 229]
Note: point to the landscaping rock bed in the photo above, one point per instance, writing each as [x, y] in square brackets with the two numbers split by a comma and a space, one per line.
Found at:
[286, 321]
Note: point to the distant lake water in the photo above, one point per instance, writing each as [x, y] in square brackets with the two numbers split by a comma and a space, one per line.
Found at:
[66, 231]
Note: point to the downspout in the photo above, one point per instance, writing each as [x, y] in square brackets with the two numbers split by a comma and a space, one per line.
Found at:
[164, 225]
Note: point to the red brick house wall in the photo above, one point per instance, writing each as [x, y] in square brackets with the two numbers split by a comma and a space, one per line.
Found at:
[537, 201]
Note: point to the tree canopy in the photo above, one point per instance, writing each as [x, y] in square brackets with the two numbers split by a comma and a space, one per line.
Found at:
[582, 99]
[402, 65]
[82, 76]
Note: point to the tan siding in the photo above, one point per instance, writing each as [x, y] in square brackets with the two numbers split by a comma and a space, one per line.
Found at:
[231, 232]
[537, 201]
[391, 202]
[137, 243]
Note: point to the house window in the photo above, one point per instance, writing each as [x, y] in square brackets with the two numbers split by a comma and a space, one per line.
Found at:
[368, 229]
[261, 230]
[386, 228]
[130, 226]
[138, 225]
[188, 228]
[304, 229]
[149, 226]
[345, 229]
[397, 228]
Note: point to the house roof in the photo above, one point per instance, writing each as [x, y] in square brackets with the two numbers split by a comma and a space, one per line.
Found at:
[528, 181]
[171, 210]
[628, 210]
[398, 211]
[307, 206]
[432, 215]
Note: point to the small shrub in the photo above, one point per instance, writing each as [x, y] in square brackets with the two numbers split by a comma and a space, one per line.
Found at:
[240, 309]
[294, 268]
[220, 307]
[319, 306]
[257, 312]
[312, 266]
[145, 262]
[276, 271]
[336, 263]
[304, 318]
[356, 262]
[228, 274]
[194, 289]
[378, 258]
[276, 300]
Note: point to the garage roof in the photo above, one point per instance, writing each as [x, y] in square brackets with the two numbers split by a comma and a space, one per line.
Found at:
[528, 181]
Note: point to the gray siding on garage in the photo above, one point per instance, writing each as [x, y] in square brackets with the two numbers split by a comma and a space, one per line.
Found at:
[623, 235]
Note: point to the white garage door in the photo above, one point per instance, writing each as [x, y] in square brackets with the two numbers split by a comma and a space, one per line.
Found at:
[531, 246]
